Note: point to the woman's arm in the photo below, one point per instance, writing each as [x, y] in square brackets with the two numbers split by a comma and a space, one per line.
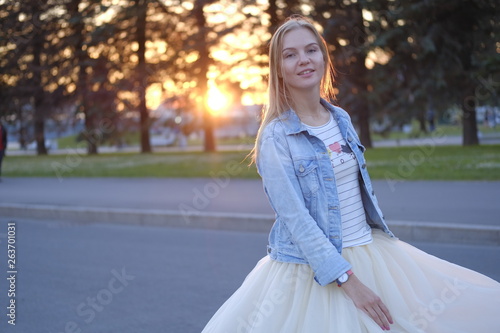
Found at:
[283, 189]
[368, 302]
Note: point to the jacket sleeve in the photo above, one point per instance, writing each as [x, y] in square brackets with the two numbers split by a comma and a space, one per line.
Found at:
[285, 195]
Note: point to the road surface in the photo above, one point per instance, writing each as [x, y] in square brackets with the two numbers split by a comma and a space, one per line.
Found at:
[100, 278]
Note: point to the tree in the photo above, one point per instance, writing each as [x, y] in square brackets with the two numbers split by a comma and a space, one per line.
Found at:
[208, 37]
[145, 35]
[203, 63]
[140, 8]
[32, 67]
[444, 47]
[80, 11]
[345, 31]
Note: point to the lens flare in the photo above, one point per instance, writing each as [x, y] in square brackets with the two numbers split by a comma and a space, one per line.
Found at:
[216, 100]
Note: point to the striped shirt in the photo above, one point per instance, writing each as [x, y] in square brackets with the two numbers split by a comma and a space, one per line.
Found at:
[355, 229]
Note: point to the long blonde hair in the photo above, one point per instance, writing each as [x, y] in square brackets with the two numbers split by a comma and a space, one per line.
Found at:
[278, 97]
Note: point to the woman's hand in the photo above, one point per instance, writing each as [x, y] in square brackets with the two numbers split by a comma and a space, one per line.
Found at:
[367, 301]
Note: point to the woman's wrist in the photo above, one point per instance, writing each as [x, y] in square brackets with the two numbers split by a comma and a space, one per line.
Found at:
[344, 278]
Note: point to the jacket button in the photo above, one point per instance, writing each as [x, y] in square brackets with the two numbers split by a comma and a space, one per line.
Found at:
[268, 250]
[373, 192]
[349, 139]
[363, 166]
[301, 168]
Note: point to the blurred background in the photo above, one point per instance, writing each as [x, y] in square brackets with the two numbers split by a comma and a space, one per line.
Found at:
[152, 73]
[125, 114]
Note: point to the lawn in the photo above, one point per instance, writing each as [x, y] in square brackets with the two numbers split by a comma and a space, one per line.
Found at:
[397, 163]
[435, 163]
[184, 164]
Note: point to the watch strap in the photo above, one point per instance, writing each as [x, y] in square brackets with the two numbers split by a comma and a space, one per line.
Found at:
[348, 273]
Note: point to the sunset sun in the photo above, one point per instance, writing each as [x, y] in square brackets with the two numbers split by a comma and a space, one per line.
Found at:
[217, 101]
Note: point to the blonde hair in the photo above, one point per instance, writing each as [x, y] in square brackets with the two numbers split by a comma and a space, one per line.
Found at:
[278, 98]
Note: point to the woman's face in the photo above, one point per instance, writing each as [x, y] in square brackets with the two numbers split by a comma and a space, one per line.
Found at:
[302, 63]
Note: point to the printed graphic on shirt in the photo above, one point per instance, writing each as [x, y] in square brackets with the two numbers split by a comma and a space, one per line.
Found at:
[335, 147]
[355, 230]
[338, 148]
[338, 151]
[346, 149]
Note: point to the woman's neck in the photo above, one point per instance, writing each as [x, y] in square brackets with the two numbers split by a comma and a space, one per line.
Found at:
[309, 109]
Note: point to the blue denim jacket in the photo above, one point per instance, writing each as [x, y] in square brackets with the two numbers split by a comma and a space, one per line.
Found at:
[299, 181]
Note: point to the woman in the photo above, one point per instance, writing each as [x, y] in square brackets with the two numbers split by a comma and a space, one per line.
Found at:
[333, 265]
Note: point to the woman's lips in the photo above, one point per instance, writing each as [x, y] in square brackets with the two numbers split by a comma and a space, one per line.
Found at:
[306, 72]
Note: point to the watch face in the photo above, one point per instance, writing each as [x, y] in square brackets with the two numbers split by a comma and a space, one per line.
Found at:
[343, 278]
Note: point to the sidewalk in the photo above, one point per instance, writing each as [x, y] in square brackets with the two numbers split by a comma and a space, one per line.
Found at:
[452, 212]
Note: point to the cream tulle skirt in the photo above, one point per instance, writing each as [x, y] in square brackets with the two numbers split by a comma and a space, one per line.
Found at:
[423, 294]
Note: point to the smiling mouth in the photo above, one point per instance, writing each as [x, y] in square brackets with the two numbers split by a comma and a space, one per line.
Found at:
[307, 71]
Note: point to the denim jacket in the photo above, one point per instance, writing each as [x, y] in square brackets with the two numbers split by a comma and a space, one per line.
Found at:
[299, 181]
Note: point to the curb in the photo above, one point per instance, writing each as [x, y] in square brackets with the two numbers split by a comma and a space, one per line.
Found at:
[150, 217]
[405, 230]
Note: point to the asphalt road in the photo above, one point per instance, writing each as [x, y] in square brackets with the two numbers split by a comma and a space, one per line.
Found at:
[464, 202]
[96, 278]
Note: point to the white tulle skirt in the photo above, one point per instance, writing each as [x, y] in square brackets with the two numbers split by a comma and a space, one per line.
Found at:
[422, 292]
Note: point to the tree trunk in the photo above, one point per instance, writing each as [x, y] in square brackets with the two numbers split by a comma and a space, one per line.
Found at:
[39, 112]
[82, 81]
[142, 79]
[208, 123]
[421, 120]
[22, 127]
[469, 121]
[272, 11]
[364, 125]
[359, 73]
[90, 136]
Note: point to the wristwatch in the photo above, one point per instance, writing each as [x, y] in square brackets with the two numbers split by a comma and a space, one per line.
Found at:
[344, 277]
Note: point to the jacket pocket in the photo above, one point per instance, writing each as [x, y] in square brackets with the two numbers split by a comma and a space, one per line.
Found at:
[306, 171]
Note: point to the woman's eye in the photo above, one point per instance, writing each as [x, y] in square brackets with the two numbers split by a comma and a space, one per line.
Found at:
[288, 55]
[312, 50]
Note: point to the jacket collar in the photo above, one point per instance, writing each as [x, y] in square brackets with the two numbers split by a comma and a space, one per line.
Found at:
[293, 125]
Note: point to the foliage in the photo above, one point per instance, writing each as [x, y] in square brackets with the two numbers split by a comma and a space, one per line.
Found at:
[440, 53]
[68, 60]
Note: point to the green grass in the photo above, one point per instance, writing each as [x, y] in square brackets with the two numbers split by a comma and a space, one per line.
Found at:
[435, 163]
[444, 129]
[70, 141]
[398, 163]
[67, 142]
[129, 165]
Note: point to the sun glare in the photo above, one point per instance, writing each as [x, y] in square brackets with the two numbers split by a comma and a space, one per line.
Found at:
[154, 96]
[216, 101]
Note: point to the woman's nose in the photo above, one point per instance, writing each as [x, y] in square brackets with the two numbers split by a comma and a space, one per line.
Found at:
[304, 59]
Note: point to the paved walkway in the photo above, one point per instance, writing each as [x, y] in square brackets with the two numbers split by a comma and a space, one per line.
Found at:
[465, 212]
